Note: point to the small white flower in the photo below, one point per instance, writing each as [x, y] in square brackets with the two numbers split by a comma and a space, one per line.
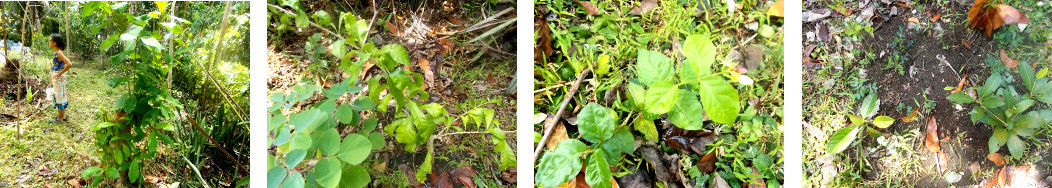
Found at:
[744, 80]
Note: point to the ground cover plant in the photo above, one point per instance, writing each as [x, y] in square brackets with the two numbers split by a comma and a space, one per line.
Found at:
[158, 94]
[658, 94]
[963, 84]
[357, 87]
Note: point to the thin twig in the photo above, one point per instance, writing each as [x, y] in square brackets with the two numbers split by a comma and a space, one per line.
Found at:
[192, 122]
[562, 108]
[558, 86]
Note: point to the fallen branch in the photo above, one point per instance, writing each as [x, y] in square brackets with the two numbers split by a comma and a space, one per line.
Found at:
[192, 122]
[562, 108]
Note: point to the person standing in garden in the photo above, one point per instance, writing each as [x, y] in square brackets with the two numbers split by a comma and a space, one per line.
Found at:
[59, 66]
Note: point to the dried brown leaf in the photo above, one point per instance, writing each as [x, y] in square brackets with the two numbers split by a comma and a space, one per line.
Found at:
[936, 17]
[707, 164]
[464, 174]
[944, 162]
[778, 9]
[996, 158]
[645, 7]
[1009, 62]
[589, 7]
[1010, 15]
[911, 117]
[931, 140]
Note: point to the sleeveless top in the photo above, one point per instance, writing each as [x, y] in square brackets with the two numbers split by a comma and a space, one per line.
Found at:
[56, 64]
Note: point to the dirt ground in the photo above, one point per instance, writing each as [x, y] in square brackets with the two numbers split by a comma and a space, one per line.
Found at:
[938, 58]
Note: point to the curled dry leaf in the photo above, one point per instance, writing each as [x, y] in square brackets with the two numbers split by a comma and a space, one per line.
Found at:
[645, 7]
[707, 164]
[425, 67]
[1009, 62]
[760, 183]
[589, 7]
[987, 16]
[943, 162]
[960, 85]
[936, 17]
[931, 140]
[689, 140]
[464, 174]
[913, 19]
[996, 158]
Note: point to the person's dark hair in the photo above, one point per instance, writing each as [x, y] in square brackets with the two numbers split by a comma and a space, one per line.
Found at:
[60, 41]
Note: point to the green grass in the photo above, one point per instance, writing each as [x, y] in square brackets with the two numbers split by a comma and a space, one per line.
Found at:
[67, 147]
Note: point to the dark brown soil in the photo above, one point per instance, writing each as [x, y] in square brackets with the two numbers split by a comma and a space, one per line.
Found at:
[924, 78]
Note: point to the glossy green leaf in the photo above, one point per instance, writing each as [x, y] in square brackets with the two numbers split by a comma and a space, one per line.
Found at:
[883, 121]
[661, 97]
[687, 112]
[90, 171]
[621, 142]
[338, 48]
[700, 53]
[152, 42]
[133, 172]
[560, 165]
[653, 67]
[869, 107]
[307, 120]
[377, 139]
[842, 139]
[960, 98]
[322, 18]
[301, 20]
[992, 83]
[282, 136]
[637, 94]
[719, 99]
[595, 123]
[131, 33]
[998, 139]
[1026, 73]
[328, 171]
[425, 168]
[597, 172]
[108, 43]
[355, 149]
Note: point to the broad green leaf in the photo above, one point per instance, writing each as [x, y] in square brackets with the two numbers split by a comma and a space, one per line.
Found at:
[842, 139]
[283, 136]
[883, 121]
[131, 33]
[133, 172]
[869, 107]
[602, 65]
[355, 149]
[275, 176]
[307, 120]
[560, 165]
[369, 125]
[960, 98]
[1026, 73]
[1016, 146]
[377, 139]
[856, 120]
[597, 172]
[108, 43]
[112, 173]
[322, 18]
[345, 114]
[595, 123]
[998, 139]
[327, 141]
[354, 176]
[648, 129]
[653, 67]
[621, 142]
[395, 54]
[700, 53]
[338, 48]
[719, 99]
[90, 171]
[328, 171]
[637, 94]
[661, 97]
[992, 83]
[302, 20]
[152, 42]
[294, 157]
[687, 112]
[425, 168]
[294, 180]
[300, 140]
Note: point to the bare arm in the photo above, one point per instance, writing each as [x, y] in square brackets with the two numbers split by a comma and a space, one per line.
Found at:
[62, 56]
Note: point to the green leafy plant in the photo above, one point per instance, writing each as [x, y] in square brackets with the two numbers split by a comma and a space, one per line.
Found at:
[847, 135]
[1007, 110]
[598, 125]
[140, 116]
[313, 134]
